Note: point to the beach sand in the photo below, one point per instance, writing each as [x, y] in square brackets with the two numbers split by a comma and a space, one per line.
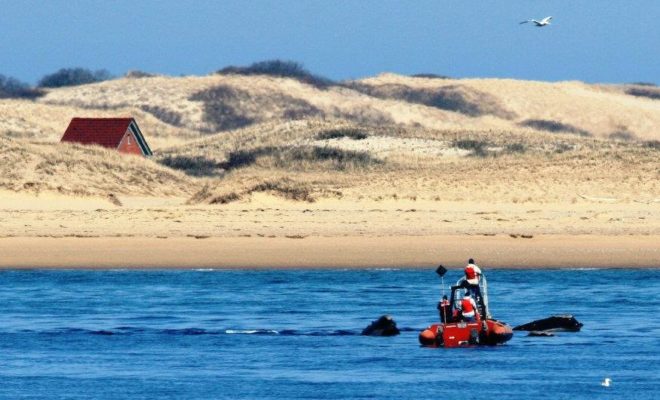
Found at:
[394, 172]
[551, 251]
[54, 231]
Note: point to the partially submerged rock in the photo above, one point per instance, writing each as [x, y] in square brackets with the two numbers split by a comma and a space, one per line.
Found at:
[383, 326]
[554, 323]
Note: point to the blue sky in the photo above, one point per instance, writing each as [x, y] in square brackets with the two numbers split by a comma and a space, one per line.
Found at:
[590, 40]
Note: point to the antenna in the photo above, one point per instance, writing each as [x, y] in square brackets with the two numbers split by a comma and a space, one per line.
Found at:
[442, 271]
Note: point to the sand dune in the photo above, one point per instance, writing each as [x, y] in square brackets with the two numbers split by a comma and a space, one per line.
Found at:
[83, 171]
[597, 109]
[195, 106]
[425, 164]
[239, 157]
[32, 121]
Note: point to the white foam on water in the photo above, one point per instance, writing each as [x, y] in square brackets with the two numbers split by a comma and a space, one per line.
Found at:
[249, 331]
[582, 269]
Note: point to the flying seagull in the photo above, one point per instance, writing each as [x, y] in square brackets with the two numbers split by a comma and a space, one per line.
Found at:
[545, 21]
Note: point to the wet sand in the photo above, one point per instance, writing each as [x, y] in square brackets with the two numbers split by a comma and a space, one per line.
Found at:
[500, 251]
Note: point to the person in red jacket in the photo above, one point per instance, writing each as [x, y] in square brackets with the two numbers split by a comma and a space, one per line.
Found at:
[468, 308]
[472, 274]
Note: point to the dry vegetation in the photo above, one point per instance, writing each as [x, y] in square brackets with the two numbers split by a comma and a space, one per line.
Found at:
[83, 171]
[342, 159]
[648, 91]
[411, 164]
[223, 138]
[172, 110]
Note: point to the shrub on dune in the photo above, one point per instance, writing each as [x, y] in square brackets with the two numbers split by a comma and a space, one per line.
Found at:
[553, 126]
[652, 144]
[339, 133]
[430, 76]
[478, 148]
[194, 166]
[650, 92]
[515, 148]
[73, 77]
[280, 68]
[300, 158]
[11, 88]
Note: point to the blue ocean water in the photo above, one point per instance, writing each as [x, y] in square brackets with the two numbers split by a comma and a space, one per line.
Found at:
[222, 334]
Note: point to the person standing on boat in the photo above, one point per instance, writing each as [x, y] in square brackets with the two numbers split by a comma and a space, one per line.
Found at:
[468, 308]
[472, 274]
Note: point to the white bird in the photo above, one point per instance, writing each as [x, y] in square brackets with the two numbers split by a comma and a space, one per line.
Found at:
[606, 383]
[545, 21]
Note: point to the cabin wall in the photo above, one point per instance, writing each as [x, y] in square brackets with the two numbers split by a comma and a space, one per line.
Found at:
[129, 144]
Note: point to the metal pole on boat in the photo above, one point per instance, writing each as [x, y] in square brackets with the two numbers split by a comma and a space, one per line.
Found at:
[442, 271]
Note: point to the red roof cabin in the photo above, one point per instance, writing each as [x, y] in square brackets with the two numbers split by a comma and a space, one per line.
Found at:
[121, 134]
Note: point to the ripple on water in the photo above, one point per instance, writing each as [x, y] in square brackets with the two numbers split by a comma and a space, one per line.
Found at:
[296, 334]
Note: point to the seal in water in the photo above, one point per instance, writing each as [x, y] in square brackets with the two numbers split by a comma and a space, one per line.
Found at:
[383, 326]
[554, 323]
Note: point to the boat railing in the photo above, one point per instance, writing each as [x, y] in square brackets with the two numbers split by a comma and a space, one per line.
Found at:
[483, 288]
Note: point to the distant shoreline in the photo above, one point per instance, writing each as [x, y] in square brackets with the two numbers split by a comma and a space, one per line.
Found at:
[501, 251]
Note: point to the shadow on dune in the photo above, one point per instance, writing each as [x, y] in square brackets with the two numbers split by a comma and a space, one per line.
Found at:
[553, 126]
[464, 100]
[226, 107]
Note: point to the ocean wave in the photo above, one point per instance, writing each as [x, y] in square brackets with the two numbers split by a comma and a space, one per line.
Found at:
[582, 269]
[186, 331]
[251, 332]
[193, 331]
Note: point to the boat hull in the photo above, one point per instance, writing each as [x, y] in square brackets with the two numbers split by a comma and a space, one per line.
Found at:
[465, 334]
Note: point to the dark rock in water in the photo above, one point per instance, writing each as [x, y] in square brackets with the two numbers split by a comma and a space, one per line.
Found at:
[554, 323]
[383, 326]
[540, 333]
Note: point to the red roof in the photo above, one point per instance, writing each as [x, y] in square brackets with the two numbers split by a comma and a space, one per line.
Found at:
[106, 132]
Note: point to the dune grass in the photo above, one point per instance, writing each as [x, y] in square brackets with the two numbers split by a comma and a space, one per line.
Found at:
[387, 137]
[285, 160]
[196, 106]
[84, 171]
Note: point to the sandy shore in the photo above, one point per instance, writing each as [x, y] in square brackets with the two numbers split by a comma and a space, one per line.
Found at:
[548, 251]
[52, 231]
[558, 174]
